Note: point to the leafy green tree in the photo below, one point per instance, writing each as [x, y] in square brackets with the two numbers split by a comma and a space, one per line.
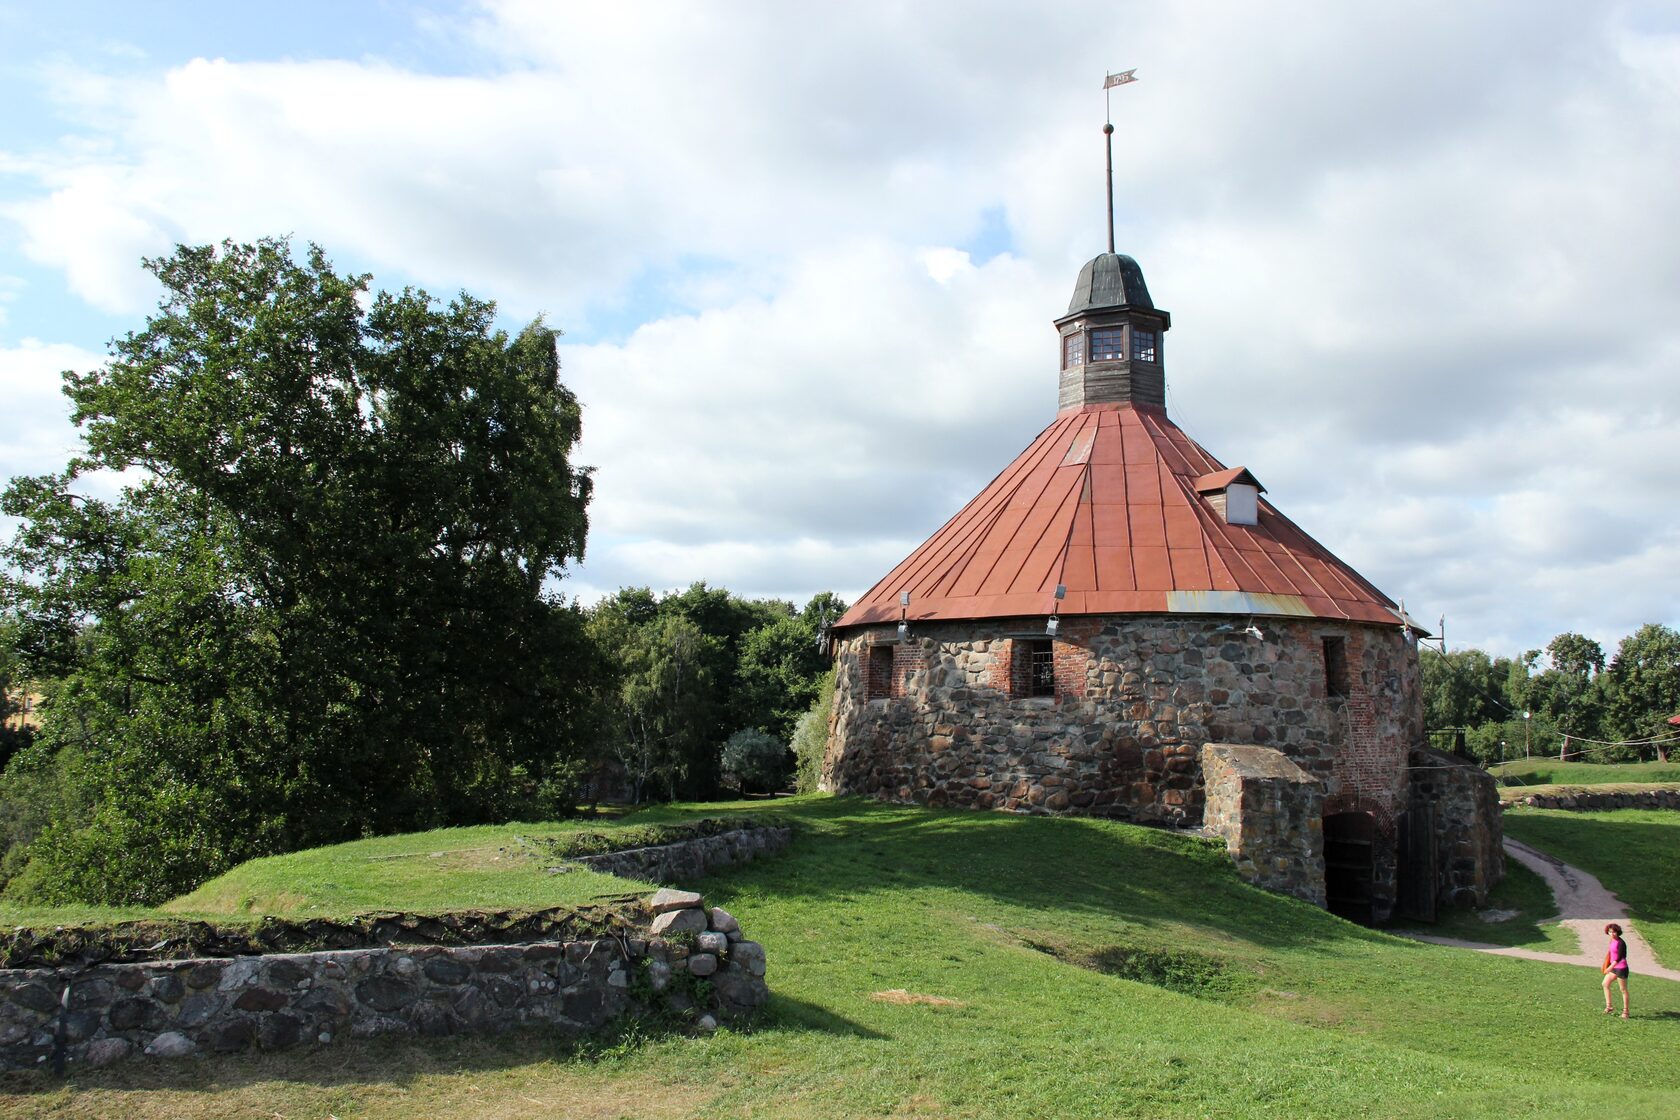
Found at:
[1463, 688]
[14, 687]
[824, 609]
[810, 737]
[758, 762]
[656, 708]
[1575, 655]
[778, 674]
[319, 607]
[1644, 688]
[1568, 697]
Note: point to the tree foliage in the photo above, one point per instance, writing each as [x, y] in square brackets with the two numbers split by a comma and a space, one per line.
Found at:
[810, 737]
[692, 667]
[1607, 710]
[15, 735]
[755, 760]
[1644, 685]
[318, 606]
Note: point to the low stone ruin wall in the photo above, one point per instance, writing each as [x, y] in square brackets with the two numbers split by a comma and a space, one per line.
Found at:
[691, 960]
[1581, 799]
[687, 860]
[1469, 836]
[1270, 813]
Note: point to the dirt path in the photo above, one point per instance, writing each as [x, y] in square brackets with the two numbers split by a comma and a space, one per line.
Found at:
[1585, 906]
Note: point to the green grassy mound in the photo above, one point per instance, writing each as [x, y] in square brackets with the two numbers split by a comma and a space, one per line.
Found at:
[952, 964]
[490, 867]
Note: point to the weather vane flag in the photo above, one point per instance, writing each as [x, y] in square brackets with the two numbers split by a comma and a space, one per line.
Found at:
[1109, 83]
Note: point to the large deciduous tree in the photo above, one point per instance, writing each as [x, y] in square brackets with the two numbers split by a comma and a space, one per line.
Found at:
[320, 603]
[1644, 689]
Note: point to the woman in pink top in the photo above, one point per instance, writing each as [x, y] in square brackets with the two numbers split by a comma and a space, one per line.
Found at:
[1615, 968]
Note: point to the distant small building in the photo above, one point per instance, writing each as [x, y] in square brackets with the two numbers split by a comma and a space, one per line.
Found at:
[23, 709]
[1115, 601]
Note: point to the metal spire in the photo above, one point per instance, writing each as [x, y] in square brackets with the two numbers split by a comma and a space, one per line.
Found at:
[1109, 83]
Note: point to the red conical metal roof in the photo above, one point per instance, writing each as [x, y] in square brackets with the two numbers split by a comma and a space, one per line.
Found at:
[1105, 502]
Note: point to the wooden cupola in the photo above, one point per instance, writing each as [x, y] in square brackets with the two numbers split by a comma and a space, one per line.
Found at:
[1111, 339]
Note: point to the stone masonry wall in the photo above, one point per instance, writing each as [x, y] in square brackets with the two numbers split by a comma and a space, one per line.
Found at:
[1469, 835]
[1582, 799]
[1270, 814]
[1136, 699]
[91, 1016]
[687, 860]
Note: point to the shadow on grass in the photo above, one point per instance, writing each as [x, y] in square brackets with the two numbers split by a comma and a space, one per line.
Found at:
[398, 1060]
[787, 1013]
[848, 849]
[1521, 893]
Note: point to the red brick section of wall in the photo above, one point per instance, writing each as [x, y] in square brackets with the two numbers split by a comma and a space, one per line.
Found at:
[908, 661]
[1006, 677]
[878, 671]
[1370, 773]
[1073, 661]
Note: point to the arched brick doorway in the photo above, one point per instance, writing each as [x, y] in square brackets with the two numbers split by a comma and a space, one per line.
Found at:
[1350, 865]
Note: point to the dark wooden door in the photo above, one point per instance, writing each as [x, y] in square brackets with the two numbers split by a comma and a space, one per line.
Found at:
[1419, 887]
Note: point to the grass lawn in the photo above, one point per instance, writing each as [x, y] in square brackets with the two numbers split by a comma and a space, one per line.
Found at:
[487, 867]
[1532, 920]
[1551, 772]
[1634, 852]
[1084, 969]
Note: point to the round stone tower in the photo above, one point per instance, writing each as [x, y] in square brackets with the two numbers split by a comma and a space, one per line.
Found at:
[1115, 600]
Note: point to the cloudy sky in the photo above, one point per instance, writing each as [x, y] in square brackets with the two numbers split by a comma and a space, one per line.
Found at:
[1423, 260]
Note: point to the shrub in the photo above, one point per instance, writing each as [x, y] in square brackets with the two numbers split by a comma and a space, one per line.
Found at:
[810, 737]
[757, 759]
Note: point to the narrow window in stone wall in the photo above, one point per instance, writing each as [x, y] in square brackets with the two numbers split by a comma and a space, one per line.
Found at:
[878, 673]
[1335, 667]
[1034, 665]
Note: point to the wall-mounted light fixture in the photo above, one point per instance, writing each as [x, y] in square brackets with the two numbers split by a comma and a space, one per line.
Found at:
[904, 616]
[1254, 631]
[1052, 624]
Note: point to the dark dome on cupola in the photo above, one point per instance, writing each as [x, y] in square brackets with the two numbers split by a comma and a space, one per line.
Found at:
[1110, 280]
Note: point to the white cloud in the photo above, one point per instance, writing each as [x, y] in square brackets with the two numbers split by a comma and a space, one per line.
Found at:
[35, 433]
[1422, 260]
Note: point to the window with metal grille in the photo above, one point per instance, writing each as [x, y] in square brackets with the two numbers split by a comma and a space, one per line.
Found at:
[1039, 657]
[1143, 345]
[1073, 350]
[1108, 344]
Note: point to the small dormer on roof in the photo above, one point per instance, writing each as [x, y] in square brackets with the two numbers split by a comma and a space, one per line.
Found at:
[1233, 493]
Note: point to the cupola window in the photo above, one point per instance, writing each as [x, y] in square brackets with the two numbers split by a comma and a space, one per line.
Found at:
[1073, 350]
[1143, 345]
[1108, 344]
